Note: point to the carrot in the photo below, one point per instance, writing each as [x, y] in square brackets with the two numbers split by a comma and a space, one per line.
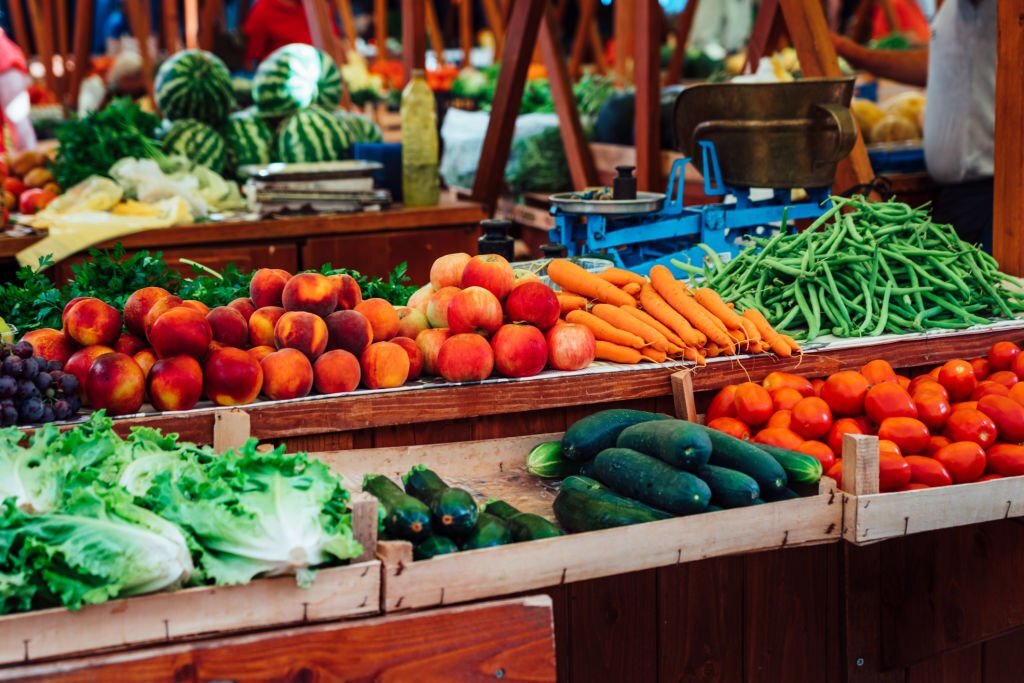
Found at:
[604, 331]
[617, 353]
[645, 317]
[693, 355]
[631, 288]
[620, 277]
[792, 342]
[672, 291]
[659, 308]
[618, 318]
[571, 302]
[710, 300]
[773, 339]
[568, 275]
[738, 337]
[657, 356]
[750, 329]
[713, 350]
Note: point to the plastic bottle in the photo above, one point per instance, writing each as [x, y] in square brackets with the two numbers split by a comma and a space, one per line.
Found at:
[420, 182]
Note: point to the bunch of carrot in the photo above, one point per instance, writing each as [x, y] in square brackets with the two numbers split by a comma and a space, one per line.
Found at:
[636, 319]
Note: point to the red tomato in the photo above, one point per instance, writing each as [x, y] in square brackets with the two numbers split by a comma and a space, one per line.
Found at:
[785, 398]
[988, 388]
[1006, 459]
[777, 436]
[932, 407]
[903, 381]
[888, 400]
[981, 369]
[782, 419]
[1018, 366]
[909, 434]
[964, 460]
[1002, 355]
[1017, 393]
[935, 443]
[817, 449]
[843, 425]
[914, 486]
[817, 384]
[893, 472]
[928, 471]
[836, 472]
[971, 425]
[958, 378]
[774, 381]
[878, 371]
[1005, 377]
[922, 382]
[723, 404]
[990, 477]
[731, 426]
[1007, 414]
[812, 418]
[886, 447]
[753, 404]
[844, 392]
[934, 373]
[968, 405]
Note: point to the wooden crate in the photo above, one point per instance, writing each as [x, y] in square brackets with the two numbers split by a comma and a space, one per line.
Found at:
[496, 469]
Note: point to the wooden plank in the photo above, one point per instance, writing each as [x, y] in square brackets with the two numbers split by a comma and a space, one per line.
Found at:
[364, 524]
[860, 647]
[466, 30]
[191, 8]
[624, 32]
[169, 25]
[142, 28]
[43, 35]
[231, 429]
[767, 26]
[962, 666]
[860, 464]
[21, 33]
[493, 16]
[211, 15]
[581, 36]
[1001, 658]
[81, 45]
[348, 22]
[414, 36]
[682, 395]
[684, 23]
[434, 32]
[1008, 213]
[63, 41]
[380, 28]
[597, 49]
[647, 124]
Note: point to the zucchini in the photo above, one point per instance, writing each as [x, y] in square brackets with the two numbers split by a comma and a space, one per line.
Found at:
[800, 467]
[592, 486]
[729, 488]
[784, 494]
[454, 510]
[679, 443]
[590, 510]
[404, 516]
[651, 481]
[548, 462]
[745, 457]
[594, 433]
[488, 532]
[523, 525]
[433, 546]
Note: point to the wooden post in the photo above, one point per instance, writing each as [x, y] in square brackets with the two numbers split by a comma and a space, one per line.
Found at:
[414, 36]
[434, 32]
[82, 44]
[647, 124]
[348, 22]
[380, 28]
[318, 14]
[43, 34]
[682, 395]
[597, 49]
[588, 10]
[191, 24]
[492, 13]
[466, 30]
[21, 34]
[231, 429]
[684, 24]
[860, 464]
[1008, 211]
[625, 14]
[211, 15]
[763, 35]
[169, 24]
[63, 36]
[364, 524]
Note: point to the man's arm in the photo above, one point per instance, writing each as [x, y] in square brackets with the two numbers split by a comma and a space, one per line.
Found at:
[905, 66]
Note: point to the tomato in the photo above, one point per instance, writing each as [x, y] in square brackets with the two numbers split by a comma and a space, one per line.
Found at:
[958, 378]
[935, 443]
[964, 460]
[928, 471]
[817, 449]
[1017, 393]
[988, 388]
[886, 447]
[785, 398]
[914, 486]
[818, 384]
[1002, 354]
[990, 477]
[843, 425]
[1007, 414]
[780, 437]
[888, 400]
[903, 381]
[812, 418]
[1006, 459]
[731, 426]
[981, 369]
[723, 404]
[878, 371]
[969, 405]
[909, 434]
[844, 392]
[934, 373]
[893, 472]
[753, 404]
[1018, 365]
[836, 472]
[932, 407]
[925, 381]
[968, 424]
[781, 418]
[1005, 377]
[774, 381]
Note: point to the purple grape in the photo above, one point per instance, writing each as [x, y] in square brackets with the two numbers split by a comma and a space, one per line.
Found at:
[74, 402]
[24, 350]
[27, 389]
[62, 410]
[8, 386]
[32, 410]
[30, 368]
[48, 414]
[54, 366]
[13, 366]
[8, 416]
[44, 380]
[68, 384]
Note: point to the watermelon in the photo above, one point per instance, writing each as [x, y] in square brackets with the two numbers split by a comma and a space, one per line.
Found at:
[194, 84]
[294, 77]
[360, 128]
[247, 139]
[311, 135]
[196, 141]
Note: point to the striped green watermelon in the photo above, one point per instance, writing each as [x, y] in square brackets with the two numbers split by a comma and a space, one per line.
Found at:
[311, 135]
[360, 128]
[296, 76]
[248, 139]
[194, 84]
[196, 141]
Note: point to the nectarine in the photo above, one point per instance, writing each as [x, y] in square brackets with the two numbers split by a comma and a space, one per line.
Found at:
[232, 377]
[175, 383]
[286, 374]
[115, 383]
[336, 372]
[385, 365]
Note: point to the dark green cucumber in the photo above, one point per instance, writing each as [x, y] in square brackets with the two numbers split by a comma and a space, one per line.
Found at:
[800, 467]
[548, 462]
[784, 494]
[596, 488]
[433, 546]
[759, 501]
[488, 532]
[714, 508]
[729, 488]
[589, 510]
[404, 516]
[651, 481]
[524, 526]
[587, 469]
[679, 443]
[454, 509]
[594, 433]
[745, 457]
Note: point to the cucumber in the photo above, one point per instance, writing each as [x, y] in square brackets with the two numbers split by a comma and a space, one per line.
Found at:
[800, 467]
[433, 546]
[784, 494]
[404, 516]
[586, 470]
[488, 532]
[729, 488]
[596, 488]
[713, 508]
[745, 457]
[548, 462]
[679, 443]
[651, 481]
[594, 433]
[523, 525]
[590, 510]
[454, 510]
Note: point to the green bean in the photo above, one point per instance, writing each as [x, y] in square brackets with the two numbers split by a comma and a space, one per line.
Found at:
[805, 310]
[883, 313]
[814, 324]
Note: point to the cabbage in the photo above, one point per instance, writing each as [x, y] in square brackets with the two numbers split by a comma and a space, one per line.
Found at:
[31, 476]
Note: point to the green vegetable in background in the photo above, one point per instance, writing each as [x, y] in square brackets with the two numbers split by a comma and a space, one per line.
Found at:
[539, 163]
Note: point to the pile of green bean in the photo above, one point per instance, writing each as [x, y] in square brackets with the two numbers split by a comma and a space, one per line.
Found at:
[864, 269]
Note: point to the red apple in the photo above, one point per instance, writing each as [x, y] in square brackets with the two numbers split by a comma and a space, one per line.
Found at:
[534, 303]
[411, 321]
[474, 309]
[571, 347]
[465, 358]
[420, 298]
[430, 342]
[437, 306]
[490, 271]
[519, 350]
[447, 270]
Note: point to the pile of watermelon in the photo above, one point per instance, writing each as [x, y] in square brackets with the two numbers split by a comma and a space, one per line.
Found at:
[295, 118]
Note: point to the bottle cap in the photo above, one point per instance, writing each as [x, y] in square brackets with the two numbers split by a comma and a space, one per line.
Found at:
[418, 73]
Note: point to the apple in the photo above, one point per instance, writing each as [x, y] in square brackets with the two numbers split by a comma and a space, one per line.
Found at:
[411, 321]
[474, 309]
[420, 298]
[519, 350]
[490, 271]
[465, 358]
[534, 303]
[571, 346]
[447, 270]
[429, 342]
[437, 306]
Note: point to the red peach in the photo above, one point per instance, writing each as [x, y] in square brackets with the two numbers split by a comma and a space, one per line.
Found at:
[68, 306]
[262, 324]
[310, 292]
[420, 298]
[429, 343]
[437, 306]
[519, 350]
[267, 285]
[303, 331]
[534, 303]
[81, 361]
[447, 270]
[197, 305]
[349, 293]
[243, 306]
[175, 383]
[336, 372]
[261, 352]
[465, 358]
[138, 305]
[571, 346]
[51, 344]
[286, 374]
[116, 384]
[158, 309]
[415, 355]
[146, 359]
[385, 365]
[348, 330]
[232, 377]
[474, 309]
[228, 326]
[490, 271]
[382, 317]
[129, 344]
[410, 322]
[181, 330]
[91, 322]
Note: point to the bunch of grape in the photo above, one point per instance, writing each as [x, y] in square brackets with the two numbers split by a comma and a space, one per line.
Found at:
[32, 389]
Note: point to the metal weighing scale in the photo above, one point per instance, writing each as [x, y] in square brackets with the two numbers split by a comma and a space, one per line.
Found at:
[779, 136]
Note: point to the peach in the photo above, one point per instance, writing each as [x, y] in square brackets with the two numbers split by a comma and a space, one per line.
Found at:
[571, 346]
[336, 372]
[474, 309]
[286, 374]
[261, 352]
[410, 322]
[415, 355]
[232, 377]
[228, 326]
[146, 359]
[116, 384]
[382, 316]
[447, 270]
[175, 383]
[68, 306]
[197, 305]
[465, 358]
[129, 344]
[519, 350]
[158, 309]
[51, 344]
[138, 305]
[303, 331]
[349, 330]
[262, 324]
[420, 298]
[81, 361]
[349, 293]
[90, 322]
[384, 365]
[243, 306]
[310, 292]
[521, 276]
[429, 343]
[437, 307]
[181, 330]
[267, 285]
[534, 303]
[490, 271]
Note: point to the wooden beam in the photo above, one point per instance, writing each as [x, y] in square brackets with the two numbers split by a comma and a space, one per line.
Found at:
[466, 30]
[684, 24]
[170, 26]
[493, 16]
[766, 27]
[597, 49]
[82, 44]
[380, 28]
[1008, 211]
[43, 35]
[348, 22]
[210, 18]
[191, 8]
[138, 17]
[63, 40]
[21, 34]
[414, 36]
[434, 32]
[647, 124]
[588, 10]
[625, 21]
[321, 28]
